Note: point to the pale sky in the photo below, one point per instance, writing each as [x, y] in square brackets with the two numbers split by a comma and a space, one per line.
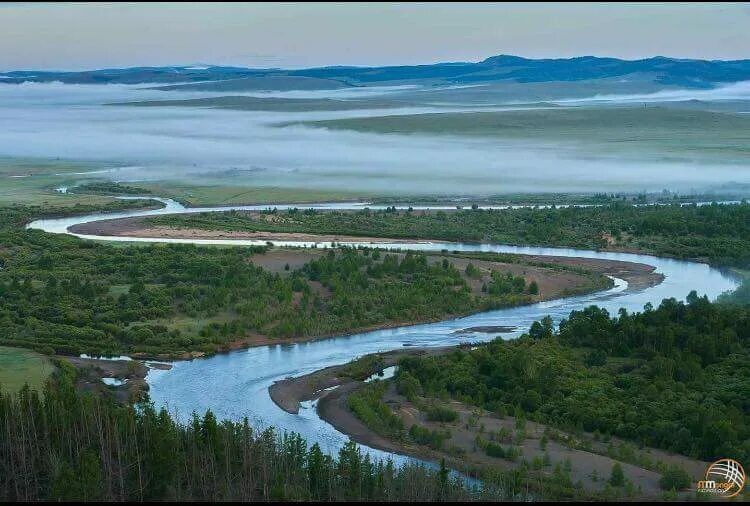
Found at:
[87, 36]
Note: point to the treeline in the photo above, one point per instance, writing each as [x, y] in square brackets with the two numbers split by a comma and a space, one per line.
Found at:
[16, 216]
[66, 446]
[61, 294]
[676, 377]
[717, 233]
[110, 188]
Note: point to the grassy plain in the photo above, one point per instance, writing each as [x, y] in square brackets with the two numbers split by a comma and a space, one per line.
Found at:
[698, 133]
[34, 182]
[19, 367]
[243, 103]
[203, 195]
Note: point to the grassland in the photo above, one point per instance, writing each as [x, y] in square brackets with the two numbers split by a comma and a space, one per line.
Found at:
[34, 182]
[243, 103]
[194, 195]
[698, 133]
[19, 367]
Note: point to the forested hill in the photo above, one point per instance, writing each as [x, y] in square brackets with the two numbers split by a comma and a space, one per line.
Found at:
[659, 69]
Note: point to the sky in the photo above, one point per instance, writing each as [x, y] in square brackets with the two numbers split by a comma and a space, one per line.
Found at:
[97, 35]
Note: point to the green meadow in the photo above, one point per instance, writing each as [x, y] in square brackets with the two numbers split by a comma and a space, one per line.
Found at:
[19, 367]
[668, 131]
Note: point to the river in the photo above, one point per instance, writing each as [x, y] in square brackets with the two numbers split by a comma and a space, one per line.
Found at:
[235, 385]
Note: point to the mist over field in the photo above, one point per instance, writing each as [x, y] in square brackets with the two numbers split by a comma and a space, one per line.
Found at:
[245, 147]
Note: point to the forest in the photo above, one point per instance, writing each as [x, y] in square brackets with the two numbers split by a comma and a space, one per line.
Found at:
[64, 295]
[61, 445]
[108, 188]
[716, 233]
[673, 377]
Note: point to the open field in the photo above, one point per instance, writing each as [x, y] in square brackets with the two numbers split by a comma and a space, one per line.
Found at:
[33, 182]
[242, 103]
[19, 367]
[224, 194]
[667, 131]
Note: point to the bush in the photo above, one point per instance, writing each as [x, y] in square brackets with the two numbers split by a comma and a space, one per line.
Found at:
[617, 478]
[432, 438]
[494, 450]
[441, 414]
[675, 478]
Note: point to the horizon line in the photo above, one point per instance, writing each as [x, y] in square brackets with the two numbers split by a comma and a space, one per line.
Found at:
[437, 62]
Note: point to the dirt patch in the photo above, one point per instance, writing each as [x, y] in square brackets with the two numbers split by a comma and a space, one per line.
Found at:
[638, 275]
[285, 260]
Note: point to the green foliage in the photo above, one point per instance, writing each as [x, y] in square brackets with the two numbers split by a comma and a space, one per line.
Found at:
[367, 405]
[739, 296]
[363, 367]
[68, 446]
[74, 296]
[718, 233]
[498, 451]
[674, 376]
[675, 478]
[472, 271]
[533, 288]
[110, 188]
[506, 283]
[494, 450]
[438, 413]
[542, 329]
[617, 477]
[407, 385]
[432, 438]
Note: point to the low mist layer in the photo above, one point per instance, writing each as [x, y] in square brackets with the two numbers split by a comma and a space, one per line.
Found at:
[207, 145]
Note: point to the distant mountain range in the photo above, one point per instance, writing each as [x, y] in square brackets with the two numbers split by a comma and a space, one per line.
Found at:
[667, 71]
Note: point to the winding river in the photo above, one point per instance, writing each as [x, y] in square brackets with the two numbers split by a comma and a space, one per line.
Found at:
[234, 385]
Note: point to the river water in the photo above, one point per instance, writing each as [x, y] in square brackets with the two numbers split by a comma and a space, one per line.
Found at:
[235, 385]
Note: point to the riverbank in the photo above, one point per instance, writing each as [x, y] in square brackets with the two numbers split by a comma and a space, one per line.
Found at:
[585, 457]
[125, 380]
[290, 392]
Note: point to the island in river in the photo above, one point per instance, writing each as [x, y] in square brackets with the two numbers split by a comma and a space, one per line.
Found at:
[473, 275]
